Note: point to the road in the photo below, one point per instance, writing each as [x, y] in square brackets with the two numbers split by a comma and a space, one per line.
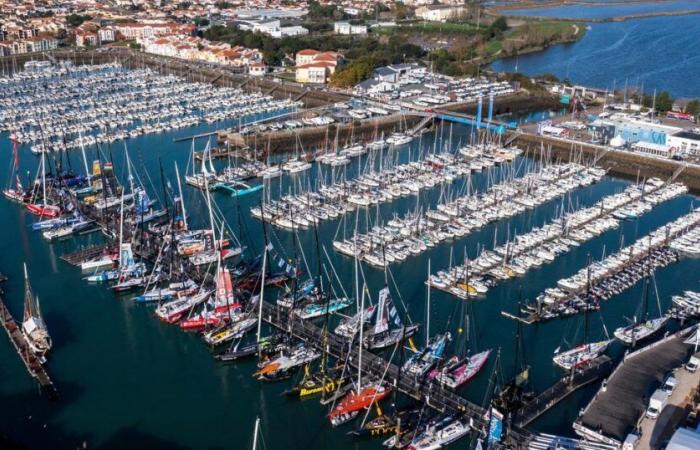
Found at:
[655, 433]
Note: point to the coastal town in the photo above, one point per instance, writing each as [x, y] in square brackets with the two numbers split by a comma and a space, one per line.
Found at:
[347, 224]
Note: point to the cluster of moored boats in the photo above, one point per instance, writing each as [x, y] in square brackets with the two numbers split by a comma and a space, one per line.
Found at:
[373, 187]
[617, 272]
[413, 234]
[63, 114]
[543, 244]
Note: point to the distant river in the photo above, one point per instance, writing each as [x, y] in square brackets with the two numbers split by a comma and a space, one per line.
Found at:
[656, 53]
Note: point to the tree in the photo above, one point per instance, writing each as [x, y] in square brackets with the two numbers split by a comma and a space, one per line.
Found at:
[351, 74]
[693, 107]
[402, 12]
[664, 102]
[75, 20]
[499, 25]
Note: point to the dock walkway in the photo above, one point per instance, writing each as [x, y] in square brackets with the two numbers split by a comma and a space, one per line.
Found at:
[431, 393]
[563, 388]
[31, 362]
[616, 408]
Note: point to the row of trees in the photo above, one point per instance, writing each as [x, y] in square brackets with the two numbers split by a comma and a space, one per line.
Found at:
[368, 54]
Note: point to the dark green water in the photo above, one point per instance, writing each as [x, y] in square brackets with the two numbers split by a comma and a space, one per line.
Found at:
[128, 381]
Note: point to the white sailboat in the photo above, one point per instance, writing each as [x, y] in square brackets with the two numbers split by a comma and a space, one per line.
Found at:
[33, 326]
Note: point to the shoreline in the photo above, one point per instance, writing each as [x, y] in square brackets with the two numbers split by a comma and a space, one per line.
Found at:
[617, 19]
[558, 3]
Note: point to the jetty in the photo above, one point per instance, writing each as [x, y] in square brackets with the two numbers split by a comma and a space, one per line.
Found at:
[567, 385]
[593, 221]
[431, 393]
[622, 398]
[31, 362]
[619, 270]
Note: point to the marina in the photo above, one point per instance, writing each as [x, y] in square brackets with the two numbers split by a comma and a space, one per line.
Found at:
[193, 279]
[412, 234]
[56, 117]
[617, 272]
[544, 244]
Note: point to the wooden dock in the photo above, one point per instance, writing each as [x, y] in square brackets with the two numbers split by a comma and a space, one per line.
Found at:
[77, 257]
[550, 397]
[31, 362]
[616, 408]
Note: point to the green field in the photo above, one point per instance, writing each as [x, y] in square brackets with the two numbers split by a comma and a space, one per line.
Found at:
[430, 27]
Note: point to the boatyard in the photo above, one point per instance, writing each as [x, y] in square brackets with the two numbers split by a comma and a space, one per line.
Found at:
[389, 269]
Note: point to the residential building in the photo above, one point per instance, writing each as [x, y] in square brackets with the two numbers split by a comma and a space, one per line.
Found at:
[106, 34]
[347, 28]
[272, 28]
[440, 13]
[313, 66]
[257, 69]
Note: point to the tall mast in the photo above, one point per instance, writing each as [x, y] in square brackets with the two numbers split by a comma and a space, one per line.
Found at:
[362, 326]
[255, 433]
[427, 307]
[121, 229]
[182, 200]
[262, 292]
[43, 178]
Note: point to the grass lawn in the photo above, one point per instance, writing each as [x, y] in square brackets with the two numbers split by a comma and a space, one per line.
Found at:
[430, 27]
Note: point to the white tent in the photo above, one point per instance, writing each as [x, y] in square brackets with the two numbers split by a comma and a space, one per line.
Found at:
[617, 142]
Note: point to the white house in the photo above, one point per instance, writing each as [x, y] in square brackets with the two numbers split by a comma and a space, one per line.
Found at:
[440, 13]
[347, 28]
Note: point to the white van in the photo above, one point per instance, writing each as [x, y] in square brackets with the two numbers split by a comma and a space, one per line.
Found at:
[657, 403]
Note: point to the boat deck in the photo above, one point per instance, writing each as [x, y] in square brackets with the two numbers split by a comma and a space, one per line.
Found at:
[31, 362]
[616, 408]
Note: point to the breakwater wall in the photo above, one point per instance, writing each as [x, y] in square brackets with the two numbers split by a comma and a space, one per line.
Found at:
[320, 137]
[618, 162]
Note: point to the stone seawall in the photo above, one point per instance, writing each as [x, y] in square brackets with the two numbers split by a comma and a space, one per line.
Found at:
[618, 162]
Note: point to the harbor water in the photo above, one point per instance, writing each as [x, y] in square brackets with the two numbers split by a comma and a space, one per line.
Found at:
[649, 53]
[126, 380]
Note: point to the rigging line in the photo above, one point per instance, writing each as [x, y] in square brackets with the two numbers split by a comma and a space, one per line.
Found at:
[396, 287]
[342, 288]
[303, 255]
[381, 380]
[345, 366]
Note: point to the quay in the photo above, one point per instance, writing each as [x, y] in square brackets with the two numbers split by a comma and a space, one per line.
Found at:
[31, 362]
[656, 433]
[567, 385]
[617, 162]
[622, 398]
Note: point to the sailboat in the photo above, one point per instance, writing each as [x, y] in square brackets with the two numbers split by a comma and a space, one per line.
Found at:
[17, 193]
[641, 330]
[459, 370]
[33, 326]
[360, 397]
[43, 209]
[584, 353]
[440, 433]
[421, 362]
[381, 335]
[206, 178]
[226, 315]
[289, 359]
